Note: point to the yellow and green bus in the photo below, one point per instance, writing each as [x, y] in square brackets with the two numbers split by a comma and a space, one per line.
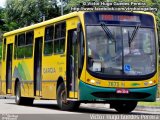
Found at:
[83, 57]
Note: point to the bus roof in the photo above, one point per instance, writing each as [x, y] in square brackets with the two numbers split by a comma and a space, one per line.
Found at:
[57, 19]
[47, 22]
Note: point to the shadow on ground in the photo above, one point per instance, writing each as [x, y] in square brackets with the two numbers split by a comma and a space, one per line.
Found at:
[85, 110]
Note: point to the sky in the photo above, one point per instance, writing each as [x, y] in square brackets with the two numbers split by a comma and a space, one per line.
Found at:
[2, 3]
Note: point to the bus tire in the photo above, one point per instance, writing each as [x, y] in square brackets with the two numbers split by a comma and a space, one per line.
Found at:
[125, 107]
[63, 104]
[21, 100]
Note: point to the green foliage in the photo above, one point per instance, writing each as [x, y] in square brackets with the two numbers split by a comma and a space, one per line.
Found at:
[20, 13]
[1, 26]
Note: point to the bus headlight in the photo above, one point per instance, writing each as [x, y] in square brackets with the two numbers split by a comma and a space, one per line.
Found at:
[150, 82]
[92, 81]
[95, 82]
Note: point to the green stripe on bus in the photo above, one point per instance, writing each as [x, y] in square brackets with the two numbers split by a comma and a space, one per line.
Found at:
[26, 70]
[21, 71]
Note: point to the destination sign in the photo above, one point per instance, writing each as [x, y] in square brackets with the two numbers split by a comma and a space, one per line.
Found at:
[116, 18]
[119, 18]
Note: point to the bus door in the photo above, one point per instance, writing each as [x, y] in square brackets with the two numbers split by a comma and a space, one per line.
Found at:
[38, 66]
[72, 65]
[9, 68]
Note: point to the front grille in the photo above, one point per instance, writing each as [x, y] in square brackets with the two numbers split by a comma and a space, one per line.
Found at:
[134, 95]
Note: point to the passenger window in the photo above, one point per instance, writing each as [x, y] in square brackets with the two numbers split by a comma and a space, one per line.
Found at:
[48, 44]
[21, 40]
[59, 41]
[15, 47]
[29, 44]
[49, 33]
[24, 45]
[29, 37]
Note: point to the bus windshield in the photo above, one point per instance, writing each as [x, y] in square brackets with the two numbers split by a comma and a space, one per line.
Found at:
[115, 51]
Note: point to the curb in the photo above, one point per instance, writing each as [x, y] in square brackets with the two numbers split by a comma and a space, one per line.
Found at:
[157, 99]
[148, 108]
[6, 97]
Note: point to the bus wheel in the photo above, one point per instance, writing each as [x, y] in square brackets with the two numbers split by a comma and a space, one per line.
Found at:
[63, 103]
[125, 107]
[22, 100]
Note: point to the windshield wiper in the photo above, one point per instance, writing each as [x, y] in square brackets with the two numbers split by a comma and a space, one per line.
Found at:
[134, 33]
[107, 31]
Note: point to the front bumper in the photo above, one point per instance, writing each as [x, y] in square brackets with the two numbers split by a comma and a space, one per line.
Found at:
[94, 93]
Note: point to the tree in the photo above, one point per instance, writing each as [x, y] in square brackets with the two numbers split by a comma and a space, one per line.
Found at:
[1, 30]
[1, 20]
[20, 13]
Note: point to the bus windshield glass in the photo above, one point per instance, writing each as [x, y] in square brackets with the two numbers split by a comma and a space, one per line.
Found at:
[120, 50]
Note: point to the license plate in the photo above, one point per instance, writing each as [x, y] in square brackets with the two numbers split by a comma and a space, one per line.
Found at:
[122, 91]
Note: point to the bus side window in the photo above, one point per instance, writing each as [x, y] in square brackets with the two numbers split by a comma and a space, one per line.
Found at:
[4, 49]
[29, 44]
[59, 40]
[48, 41]
[15, 47]
[21, 46]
